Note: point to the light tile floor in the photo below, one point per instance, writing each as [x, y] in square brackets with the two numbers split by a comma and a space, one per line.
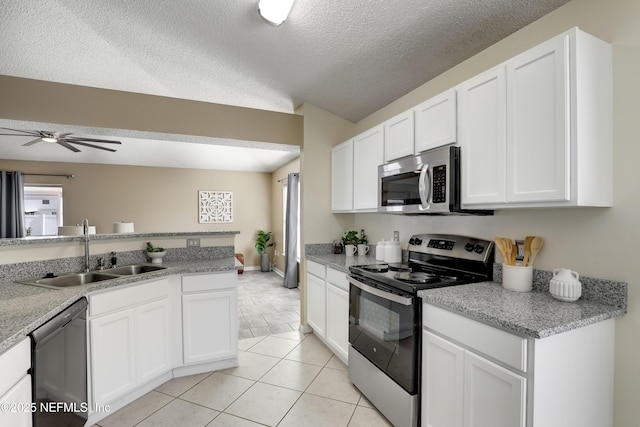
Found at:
[284, 378]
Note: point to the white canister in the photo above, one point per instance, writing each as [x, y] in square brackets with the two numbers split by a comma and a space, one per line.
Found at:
[392, 252]
[380, 250]
[565, 285]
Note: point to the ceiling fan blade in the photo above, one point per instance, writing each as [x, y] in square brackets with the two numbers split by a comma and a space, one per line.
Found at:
[87, 145]
[35, 141]
[68, 146]
[25, 132]
[77, 138]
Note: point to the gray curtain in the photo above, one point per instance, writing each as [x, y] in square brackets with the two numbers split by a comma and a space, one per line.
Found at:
[291, 245]
[11, 204]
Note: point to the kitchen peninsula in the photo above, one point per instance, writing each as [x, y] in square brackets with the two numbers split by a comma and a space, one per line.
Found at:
[197, 286]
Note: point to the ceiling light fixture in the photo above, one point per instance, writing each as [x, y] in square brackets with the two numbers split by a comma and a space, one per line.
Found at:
[50, 138]
[274, 11]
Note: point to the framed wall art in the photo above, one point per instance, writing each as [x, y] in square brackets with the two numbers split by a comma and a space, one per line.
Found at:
[215, 206]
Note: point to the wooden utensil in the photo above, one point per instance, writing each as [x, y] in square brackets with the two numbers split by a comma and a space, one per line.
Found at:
[536, 245]
[501, 247]
[527, 249]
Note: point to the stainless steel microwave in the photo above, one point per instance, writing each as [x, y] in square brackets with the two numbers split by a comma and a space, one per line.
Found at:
[427, 183]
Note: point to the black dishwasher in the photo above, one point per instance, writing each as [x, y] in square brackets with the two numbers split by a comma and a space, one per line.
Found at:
[59, 369]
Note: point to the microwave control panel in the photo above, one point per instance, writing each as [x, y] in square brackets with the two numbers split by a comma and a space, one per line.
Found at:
[439, 184]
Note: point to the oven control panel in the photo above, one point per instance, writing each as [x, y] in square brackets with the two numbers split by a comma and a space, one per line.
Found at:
[462, 247]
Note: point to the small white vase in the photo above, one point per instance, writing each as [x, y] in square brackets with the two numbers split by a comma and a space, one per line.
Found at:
[565, 285]
[156, 257]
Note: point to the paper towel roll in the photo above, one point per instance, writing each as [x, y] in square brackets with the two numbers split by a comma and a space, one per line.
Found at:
[70, 230]
[123, 227]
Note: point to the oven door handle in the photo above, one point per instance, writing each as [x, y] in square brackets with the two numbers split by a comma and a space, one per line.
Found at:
[423, 187]
[382, 294]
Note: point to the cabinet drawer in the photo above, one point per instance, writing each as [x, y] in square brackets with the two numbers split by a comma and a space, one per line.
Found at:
[14, 364]
[337, 278]
[209, 281]
[500, 345]
[120, 298]
[316, 269]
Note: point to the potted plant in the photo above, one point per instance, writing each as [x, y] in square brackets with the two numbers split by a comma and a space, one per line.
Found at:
[350, 240]
[262, 243]
[155, 253]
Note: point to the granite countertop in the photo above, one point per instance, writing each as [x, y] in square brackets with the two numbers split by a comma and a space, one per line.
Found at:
[23, 308]
[534, 314]
[342, 262]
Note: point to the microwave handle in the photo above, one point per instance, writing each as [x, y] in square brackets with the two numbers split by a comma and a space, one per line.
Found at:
[424, 186]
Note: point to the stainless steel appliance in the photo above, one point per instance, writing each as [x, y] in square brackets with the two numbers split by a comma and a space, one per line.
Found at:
[428, 183]
[59, 371]
[385, 317]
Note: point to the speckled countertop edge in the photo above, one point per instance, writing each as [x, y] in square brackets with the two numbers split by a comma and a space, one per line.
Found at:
[58, 239]
[24, 308]
[535, 314]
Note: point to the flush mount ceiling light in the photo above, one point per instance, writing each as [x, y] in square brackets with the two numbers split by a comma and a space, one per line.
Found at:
[274, 11]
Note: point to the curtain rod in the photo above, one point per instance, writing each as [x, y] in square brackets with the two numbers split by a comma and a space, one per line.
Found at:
[284, 179]
[68, 176]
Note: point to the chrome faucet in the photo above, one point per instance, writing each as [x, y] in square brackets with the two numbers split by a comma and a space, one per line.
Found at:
[85, 230]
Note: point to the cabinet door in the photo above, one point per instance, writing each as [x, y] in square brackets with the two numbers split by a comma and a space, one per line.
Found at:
[316, 304]
[442, 382]
[538, 123]
[493, 396]
[338, 320]
[18, 397]
[112, 355]
[482, 138]
[435, 122]
[153, 340]
[342, 177]
[367, 156]
[209, 331]
[398, 136]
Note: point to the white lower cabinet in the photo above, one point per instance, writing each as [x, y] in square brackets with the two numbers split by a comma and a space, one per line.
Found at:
[130, 338]
[338, 313]
[474, 375]
[316, 296]
[15, 386]
[327, 297]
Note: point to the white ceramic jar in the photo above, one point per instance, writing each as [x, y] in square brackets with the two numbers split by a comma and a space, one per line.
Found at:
[380, 250]
[393, 252]
[565, 285]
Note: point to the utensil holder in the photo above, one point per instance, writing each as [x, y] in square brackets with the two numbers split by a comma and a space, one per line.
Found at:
[517, 278]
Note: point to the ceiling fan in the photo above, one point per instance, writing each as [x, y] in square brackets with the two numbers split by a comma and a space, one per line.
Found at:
[63, 139]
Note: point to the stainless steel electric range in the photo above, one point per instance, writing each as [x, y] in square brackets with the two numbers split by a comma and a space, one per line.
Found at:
[385, 317]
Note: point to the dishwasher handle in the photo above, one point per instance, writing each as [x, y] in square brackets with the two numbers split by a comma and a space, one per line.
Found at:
[61, 320]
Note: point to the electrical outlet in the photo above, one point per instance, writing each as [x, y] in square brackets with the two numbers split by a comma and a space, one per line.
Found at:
[191, 243]
[520, 254]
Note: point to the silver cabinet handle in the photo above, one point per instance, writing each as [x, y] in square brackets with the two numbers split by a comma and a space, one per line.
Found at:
[382, 294]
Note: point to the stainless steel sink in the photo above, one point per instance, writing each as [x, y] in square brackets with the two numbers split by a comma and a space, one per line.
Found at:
[133, 269]
[77, 279]
[74, 279]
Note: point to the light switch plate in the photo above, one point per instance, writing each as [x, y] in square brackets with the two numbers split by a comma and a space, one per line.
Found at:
[191, 243]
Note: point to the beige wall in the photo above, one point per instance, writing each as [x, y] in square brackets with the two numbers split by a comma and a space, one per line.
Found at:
[157, 199]
[594, 242]
[278, 181]
[40, 101]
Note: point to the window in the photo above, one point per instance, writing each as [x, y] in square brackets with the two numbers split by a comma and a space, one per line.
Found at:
[42, 209]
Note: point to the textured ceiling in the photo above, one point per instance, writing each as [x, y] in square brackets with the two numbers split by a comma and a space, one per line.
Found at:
[348, 57]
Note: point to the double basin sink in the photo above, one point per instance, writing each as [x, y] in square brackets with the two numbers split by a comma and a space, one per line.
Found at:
[77, 279]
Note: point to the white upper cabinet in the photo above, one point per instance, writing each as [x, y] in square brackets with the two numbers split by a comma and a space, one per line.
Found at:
[538, 117]
[398, 136]
[367, 156]
[558, 146]
[342, 177]
[435, 122]
[483, 132]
